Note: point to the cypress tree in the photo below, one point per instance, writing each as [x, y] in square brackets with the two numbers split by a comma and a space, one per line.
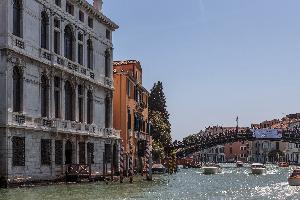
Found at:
[159, 117]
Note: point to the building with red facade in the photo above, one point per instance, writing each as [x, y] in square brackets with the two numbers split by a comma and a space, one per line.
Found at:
[130, 110]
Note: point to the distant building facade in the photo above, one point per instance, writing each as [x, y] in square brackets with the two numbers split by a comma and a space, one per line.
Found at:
[56, 88]
[131, 111]
[238, 151]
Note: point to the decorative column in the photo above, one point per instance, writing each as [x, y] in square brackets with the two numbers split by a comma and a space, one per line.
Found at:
[50, 32]
[76, 109]
[84, 102]
[51, 97]
[62, 99]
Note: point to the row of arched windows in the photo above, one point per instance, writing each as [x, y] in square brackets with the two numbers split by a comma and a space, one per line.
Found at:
[69, 95]
[69, 39]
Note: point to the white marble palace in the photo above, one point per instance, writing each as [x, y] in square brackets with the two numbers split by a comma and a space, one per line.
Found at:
[55, 89]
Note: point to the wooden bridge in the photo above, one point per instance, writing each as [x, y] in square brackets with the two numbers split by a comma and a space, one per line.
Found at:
[199, 142]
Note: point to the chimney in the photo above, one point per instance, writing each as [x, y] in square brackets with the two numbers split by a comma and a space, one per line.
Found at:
[98, 5]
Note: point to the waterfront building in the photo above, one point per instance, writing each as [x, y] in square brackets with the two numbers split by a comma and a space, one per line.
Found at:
[131, 111]
[56, 89]
[238, 151]
[213, 154]
[293, 150]
[268, 150]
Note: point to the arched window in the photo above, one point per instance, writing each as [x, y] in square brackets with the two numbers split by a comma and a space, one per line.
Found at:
[107, 63]
[17, 17]
[44, 96]
[69, 101]
[44, 30]
[90, 54]
[68, 43]
[89, 107]
[80, 103]
[17, 90]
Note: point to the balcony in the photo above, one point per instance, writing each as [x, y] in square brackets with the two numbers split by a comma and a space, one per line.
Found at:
[141, 135]
[61, 126]
[16, 42]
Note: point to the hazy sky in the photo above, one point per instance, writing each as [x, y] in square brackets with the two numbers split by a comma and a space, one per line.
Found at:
[216, 58]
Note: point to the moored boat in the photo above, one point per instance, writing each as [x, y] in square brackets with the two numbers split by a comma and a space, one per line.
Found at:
[212, 169]
[294, 179]
[239, 164]
[258, 168]
[158, 169]
[283, 164]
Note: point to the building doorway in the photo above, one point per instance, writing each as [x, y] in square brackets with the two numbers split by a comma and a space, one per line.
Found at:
[68, 152]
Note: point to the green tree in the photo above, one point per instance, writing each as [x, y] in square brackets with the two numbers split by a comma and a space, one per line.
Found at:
[159, 117]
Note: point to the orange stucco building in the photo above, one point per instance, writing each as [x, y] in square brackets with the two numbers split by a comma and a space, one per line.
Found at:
[130, 110]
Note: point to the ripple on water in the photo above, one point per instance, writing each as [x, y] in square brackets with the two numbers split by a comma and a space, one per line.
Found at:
[233, 183]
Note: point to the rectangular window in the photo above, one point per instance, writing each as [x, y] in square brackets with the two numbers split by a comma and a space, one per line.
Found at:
[81, 16]
[18, 147]
[108, 33]
[57, 42]
[90, 22]
[80, 54]
[58, 3]
[107, 153]
[90, 153]
[128, 88]
[80, 103]
[129, 120]
[69, 8]
[56, 23]
[58, 152]
[80, 110]
[45, 152]
[81, 152]
[17, 18]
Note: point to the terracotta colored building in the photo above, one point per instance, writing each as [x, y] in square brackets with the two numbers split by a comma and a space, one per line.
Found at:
[237, 150]
[130, 110]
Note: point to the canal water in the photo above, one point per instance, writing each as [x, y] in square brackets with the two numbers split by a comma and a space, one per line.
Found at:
[232, 183]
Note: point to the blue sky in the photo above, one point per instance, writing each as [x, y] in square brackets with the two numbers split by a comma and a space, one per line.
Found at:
[216, 58]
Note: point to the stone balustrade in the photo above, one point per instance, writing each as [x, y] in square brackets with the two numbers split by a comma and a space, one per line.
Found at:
[61, 126]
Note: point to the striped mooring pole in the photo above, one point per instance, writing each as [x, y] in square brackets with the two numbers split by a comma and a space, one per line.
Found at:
[148, 163]
[130, 168]
[130, 160]
[121, 163]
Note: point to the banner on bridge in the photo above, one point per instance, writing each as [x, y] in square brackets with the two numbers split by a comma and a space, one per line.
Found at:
[268, 133]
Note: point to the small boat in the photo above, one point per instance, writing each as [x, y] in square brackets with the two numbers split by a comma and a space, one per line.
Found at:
[283, 164]
[258, 168]
[239, 164]
[158, 169]
[294, 179]
[212, 169]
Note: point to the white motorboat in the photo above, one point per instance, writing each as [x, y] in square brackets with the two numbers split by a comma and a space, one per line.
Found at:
[212, 169]
[294, 179]
[258, 168]
[239, 164]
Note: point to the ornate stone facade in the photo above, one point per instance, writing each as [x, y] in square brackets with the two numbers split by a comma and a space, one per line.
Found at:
[56, 87]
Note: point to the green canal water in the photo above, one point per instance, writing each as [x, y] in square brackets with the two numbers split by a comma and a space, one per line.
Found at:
[233, 183]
